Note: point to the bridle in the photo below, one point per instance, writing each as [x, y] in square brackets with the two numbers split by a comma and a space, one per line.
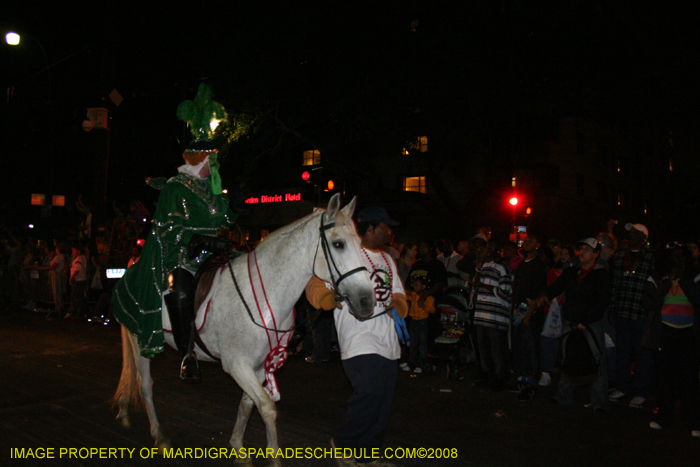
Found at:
[332, 266]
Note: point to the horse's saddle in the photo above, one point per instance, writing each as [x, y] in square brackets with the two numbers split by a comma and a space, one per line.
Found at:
[204, 278]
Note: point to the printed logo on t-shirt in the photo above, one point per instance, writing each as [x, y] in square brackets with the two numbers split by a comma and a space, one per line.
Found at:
[382, 285]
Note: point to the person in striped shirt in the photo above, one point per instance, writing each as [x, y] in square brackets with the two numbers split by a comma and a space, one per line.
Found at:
[493, 286]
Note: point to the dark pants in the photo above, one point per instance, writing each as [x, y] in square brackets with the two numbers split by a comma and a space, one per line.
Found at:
[549, 351]
[628, 338]
[78, 298]
[493, 348]
[611, 351]
[525, 349]
[373, 379]
[599, 389]
[678, 362]
[418, 329]
[323, 336]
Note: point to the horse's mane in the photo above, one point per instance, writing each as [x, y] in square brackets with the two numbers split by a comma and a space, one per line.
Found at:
[207, 271]
[297, 224]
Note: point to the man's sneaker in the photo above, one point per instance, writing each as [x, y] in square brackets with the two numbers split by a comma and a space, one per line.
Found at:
[545, 379]
[404, 366]
[527, 394]
[695, 433]
[616, 395]
[378, 463]
[343, 461]
[637, 402]
[418, 370]
[655, 426]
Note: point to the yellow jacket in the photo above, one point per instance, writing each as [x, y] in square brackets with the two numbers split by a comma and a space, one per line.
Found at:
[416, 311]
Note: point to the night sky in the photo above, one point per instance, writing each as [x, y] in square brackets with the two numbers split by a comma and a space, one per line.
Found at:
[329, 75]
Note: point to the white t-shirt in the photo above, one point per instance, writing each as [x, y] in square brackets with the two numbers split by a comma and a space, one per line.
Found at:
[58, 263]
[374, 335]
[450, 264]
[79, 265]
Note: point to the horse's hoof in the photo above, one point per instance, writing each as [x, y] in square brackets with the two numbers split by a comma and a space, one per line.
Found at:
[163, 445]
[124, 422]
[247, 462]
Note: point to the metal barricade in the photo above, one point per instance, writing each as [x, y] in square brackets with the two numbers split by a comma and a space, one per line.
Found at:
[34, 285]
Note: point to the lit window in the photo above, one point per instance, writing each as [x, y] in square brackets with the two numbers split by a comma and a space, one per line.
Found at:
[414, 184]
[312, 157]
[420, 144]
[404, 151]
[513, 182]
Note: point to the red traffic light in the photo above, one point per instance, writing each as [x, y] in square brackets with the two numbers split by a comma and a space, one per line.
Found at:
[330, 185]
[306, 176]
[513, 201]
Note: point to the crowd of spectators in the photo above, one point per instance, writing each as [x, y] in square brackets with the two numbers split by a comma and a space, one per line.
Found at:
[67, 277]
[615, 316]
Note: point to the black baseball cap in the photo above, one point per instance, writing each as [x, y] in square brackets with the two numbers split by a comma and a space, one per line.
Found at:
[375, 214]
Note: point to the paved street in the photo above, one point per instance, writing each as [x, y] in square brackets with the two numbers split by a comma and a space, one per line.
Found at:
[59, 377]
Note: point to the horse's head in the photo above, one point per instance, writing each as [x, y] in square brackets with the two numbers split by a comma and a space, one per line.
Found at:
[341, 263]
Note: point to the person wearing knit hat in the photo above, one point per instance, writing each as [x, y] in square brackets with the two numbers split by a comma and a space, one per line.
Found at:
[190, 211]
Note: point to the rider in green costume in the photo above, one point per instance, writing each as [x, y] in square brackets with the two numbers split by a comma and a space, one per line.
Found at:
[189, 213]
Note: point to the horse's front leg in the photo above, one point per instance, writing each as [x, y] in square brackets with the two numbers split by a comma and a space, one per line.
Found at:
[245, 408]
[251, 386]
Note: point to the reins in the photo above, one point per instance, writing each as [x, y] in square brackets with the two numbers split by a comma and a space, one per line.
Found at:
[247, 308]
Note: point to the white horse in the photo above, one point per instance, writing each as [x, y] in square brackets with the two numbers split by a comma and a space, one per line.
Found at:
[324, 243]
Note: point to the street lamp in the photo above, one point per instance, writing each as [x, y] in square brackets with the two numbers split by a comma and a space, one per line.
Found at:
[12, 38]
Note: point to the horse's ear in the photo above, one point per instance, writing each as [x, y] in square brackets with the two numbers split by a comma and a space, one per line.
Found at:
[333, 206]
[349, 208]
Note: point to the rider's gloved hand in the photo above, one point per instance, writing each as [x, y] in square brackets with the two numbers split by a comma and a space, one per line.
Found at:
[201, 243]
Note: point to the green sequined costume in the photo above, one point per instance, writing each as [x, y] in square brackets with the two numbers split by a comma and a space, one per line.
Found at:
[186, 206]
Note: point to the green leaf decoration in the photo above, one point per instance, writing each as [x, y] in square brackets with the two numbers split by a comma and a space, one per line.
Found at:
[200, 112]
[157, 183]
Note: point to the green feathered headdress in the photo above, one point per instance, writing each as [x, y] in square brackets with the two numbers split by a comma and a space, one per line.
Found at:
[199, 114]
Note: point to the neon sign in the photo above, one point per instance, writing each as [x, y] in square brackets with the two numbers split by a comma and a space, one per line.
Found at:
[274, 198]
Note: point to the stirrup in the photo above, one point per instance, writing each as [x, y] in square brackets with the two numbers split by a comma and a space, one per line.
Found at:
[189, 369]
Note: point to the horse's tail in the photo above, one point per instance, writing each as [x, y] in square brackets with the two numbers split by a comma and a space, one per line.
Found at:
[129, 389]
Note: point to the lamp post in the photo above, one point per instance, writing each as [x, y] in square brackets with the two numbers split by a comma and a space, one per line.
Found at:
[98, 118]
[14, 39]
